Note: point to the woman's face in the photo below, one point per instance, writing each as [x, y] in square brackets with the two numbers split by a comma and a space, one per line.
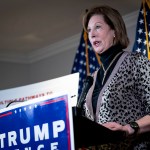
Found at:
[100, 34]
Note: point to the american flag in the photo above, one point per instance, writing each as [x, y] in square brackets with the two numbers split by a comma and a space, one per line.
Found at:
[142, 39]
[86, 60]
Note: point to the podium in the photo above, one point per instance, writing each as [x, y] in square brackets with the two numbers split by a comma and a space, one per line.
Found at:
[89, 133]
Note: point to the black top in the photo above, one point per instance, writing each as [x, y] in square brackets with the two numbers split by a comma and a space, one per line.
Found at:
[106, 58]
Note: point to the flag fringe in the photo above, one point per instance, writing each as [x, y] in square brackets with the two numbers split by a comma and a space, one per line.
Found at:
[146, 29]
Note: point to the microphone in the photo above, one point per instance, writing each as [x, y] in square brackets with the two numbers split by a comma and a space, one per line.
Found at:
[86, 86]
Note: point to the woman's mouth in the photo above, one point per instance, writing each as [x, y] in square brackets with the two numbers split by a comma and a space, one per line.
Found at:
[96, 43]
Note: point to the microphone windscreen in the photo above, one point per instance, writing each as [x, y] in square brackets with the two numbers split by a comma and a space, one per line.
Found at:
[86, 86]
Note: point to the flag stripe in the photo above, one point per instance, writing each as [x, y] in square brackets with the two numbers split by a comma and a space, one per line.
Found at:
[146, 29]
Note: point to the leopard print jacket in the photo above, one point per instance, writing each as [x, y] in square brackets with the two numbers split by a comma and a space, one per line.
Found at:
[125, 97]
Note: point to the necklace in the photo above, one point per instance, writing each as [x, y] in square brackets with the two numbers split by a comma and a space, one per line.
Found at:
[105, 70]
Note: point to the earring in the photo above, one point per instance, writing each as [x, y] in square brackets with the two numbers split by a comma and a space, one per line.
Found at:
[114, 40]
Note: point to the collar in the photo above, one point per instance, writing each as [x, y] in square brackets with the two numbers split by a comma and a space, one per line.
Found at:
[107, 56]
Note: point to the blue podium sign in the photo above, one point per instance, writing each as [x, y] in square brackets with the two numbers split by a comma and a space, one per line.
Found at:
[38, 125]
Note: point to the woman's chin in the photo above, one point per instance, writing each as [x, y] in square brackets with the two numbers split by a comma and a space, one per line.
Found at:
[99, 51]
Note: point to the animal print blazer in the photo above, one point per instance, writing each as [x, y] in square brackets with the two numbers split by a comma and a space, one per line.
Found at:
[125, 97]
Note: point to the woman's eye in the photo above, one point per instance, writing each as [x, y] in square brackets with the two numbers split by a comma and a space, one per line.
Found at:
[98, 27]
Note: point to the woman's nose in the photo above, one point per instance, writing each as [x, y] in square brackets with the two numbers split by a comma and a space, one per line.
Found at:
[92, 34]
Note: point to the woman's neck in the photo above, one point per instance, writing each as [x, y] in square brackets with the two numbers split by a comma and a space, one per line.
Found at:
[107, 56]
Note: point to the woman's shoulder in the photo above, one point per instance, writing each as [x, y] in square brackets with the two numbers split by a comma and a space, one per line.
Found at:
[136, 56]
[137, 60]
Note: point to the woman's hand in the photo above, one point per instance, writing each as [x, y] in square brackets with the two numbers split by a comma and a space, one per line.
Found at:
[144, 126]
[113, 126]
[118, 127]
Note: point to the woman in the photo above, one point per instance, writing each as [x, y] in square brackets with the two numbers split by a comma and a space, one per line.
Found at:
[119, 98]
